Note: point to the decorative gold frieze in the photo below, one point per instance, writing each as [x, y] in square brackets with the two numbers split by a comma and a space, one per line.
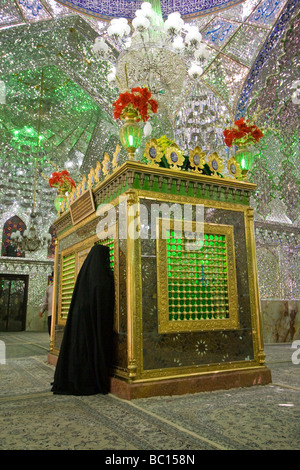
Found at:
[154, 178]
[106, 165]
[234, 168]
[174, 157]
[153, 152]
[116, 158]
[197, 159]
[215, 164]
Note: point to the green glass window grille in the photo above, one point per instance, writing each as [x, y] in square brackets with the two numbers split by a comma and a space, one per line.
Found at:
[67, 283]
[197, 279]
[110, 243]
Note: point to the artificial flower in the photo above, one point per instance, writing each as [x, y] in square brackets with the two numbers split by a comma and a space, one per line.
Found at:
[243, 132]
[62, 181]
[138, 100]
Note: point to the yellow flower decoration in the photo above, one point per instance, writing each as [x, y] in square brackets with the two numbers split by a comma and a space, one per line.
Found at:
[197, 159]
[234, 168]
[116, 157]
[174, 156]
[164, 142]
[106, 164]
[215, 164]
[153, 152]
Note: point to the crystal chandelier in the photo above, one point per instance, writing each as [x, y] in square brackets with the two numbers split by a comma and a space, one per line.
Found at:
[201, 121]
[161, 55]
[31, 240]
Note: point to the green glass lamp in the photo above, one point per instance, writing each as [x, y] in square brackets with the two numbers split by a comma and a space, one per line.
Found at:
[59, 199]
[131, 135]
[245, 158]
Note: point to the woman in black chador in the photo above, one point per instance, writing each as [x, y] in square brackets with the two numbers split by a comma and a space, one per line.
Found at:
[85, 354]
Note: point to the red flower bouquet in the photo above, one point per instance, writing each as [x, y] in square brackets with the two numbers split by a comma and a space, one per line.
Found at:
[138, 101]
[243, 132]
[62, 181]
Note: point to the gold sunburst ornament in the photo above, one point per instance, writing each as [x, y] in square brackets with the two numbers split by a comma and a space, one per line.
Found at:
[215, 164]
[84, 184]
[174, 156]
[73, 195]
[116, 157]
[106, 164]
[197, 159]
[234, 168]
[78, 190]
[153, 152]
[91, 178]
[98, 172]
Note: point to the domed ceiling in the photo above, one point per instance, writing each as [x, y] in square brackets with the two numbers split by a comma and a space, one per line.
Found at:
[57, 97]
[126, 8]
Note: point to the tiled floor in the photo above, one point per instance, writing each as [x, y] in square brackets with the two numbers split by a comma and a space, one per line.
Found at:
[31, 417]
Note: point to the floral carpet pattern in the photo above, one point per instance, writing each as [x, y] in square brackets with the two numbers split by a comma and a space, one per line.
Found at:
[32, 418]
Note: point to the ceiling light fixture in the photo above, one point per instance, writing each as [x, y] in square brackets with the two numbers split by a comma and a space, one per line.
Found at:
[153, 53]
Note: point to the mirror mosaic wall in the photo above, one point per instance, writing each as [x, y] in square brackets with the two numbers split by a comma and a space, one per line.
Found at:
[51, 81]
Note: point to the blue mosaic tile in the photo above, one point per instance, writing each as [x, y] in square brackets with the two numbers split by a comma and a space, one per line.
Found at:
[126, 8]
[218, 32]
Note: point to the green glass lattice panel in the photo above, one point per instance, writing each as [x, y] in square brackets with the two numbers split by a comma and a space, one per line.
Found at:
[110, 243]
[197, 287]
[197, 279]
[67, 283]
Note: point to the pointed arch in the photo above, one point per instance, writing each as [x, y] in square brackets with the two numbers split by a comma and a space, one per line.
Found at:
[13, 224]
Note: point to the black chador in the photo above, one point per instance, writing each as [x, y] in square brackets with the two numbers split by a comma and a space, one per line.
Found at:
[86, 350]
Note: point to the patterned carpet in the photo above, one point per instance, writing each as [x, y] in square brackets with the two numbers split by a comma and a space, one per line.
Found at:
[32, 418]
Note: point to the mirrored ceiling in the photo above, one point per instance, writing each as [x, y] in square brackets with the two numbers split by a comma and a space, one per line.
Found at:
[57, 90]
